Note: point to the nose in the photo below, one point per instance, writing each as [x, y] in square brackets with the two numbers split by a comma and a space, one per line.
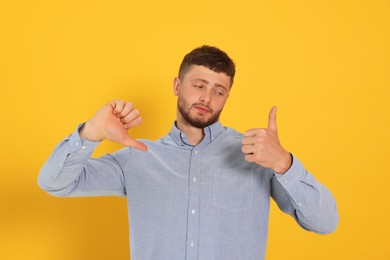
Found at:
[205, 97]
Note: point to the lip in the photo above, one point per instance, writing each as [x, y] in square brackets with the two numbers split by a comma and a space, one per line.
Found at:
[202, 109]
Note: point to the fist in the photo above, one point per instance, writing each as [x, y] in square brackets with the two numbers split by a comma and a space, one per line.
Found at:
[112, 122]
[262, 146]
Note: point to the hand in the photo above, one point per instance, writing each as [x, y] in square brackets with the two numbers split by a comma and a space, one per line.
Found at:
[262, 146]
[112, 122]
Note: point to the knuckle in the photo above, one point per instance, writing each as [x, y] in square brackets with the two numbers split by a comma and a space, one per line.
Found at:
[263, 131]
[129, 105]
[258, 159]
[117, 102]
[259, 139]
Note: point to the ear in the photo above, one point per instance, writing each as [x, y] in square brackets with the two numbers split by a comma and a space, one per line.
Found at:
[176, 85]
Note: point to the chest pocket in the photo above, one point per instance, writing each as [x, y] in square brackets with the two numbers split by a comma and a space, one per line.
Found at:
[233, 189]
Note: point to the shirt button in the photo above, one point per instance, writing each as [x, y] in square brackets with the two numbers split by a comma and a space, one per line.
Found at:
[193, 212]
[192, 244]
[83, 147]
[60, 164]
[196, 152]
[285, 181]
[77, 143]
[194, 179]
[300, 204]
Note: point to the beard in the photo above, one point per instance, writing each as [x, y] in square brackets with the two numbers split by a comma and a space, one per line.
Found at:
[196, 121]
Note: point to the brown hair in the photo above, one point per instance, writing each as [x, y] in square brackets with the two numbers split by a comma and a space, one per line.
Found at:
[210, 57]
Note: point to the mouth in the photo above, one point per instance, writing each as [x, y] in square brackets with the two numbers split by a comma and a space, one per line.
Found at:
[202, 109]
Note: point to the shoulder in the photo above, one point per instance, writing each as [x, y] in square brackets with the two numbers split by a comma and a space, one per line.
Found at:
[232, 136]
[228, 144]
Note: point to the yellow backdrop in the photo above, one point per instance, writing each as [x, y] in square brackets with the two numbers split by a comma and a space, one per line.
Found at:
[324, 63]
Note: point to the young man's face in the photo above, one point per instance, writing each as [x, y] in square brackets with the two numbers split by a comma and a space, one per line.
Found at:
[202, 94]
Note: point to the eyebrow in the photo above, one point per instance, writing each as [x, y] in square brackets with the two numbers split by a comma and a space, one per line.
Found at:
[206, 82]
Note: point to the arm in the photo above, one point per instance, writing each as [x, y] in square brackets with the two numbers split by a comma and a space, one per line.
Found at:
[71, 172]
[300, 195]
[294, 189]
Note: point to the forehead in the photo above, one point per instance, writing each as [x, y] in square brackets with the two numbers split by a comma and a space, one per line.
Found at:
[197, 72]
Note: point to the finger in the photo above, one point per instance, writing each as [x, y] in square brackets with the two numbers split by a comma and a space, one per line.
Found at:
[249, 158]
[141, 146]
[133, 114]
[128, 141]
[127, 108]
[247, 149]
[272, 119]
[117, 106]
[248, 140]
[252, 132]
[135, 122]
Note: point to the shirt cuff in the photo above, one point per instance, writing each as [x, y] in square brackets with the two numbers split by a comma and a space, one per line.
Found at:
[292, 175]
[76, 143]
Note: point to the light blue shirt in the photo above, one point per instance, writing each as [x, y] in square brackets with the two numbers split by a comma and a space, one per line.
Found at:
[189, 202]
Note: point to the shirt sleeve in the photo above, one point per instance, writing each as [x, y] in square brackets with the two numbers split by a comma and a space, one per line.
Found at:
[300, 195]
[70, 171]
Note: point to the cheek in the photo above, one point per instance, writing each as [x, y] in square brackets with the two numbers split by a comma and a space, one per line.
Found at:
[183, 102]
[220, 103]
[189, 97]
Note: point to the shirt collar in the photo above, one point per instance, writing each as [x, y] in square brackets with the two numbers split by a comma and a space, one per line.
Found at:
[211, 133]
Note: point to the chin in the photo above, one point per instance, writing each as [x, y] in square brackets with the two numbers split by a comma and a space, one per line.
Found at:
[203, 123]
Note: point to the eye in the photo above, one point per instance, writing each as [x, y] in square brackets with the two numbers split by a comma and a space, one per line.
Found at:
[219, 93]
[198, 86]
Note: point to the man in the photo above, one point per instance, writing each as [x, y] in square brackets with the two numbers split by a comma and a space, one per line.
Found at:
[203, 190]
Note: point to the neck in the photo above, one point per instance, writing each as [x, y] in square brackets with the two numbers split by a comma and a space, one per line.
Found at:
[195, 135]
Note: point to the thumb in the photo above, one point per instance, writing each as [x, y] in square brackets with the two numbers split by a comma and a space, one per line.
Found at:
[272, 119]
[128, 141]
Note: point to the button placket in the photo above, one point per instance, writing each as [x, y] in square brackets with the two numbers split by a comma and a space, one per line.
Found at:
[193, 206]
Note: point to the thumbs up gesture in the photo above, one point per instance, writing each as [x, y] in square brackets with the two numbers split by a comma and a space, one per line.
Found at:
[262, 146]
[112, 122]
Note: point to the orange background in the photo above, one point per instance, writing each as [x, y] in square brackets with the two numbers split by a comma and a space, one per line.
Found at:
[324, 63]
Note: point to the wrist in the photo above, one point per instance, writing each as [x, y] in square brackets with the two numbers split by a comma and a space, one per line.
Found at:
[88, 132]
[284, 164]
